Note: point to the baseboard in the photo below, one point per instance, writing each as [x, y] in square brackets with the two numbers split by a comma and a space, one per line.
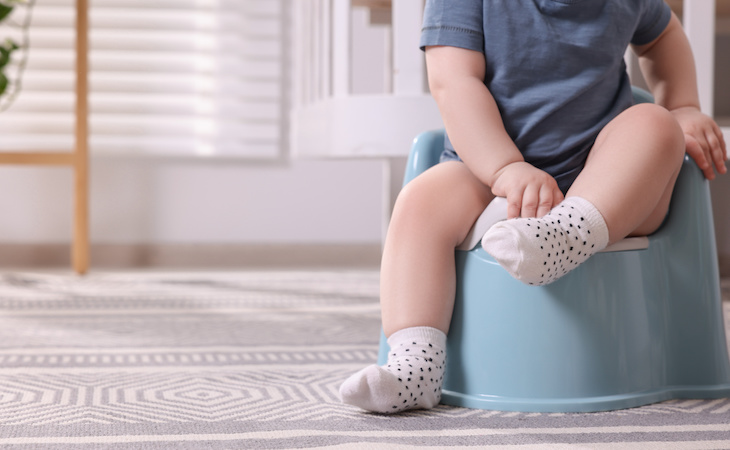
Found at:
[196, 256]
[119, 256]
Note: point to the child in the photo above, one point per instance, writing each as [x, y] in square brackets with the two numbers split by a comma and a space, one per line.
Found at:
[537, 105]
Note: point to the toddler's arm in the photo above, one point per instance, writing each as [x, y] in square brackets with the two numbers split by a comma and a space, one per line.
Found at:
[668, 67]
[475, 127]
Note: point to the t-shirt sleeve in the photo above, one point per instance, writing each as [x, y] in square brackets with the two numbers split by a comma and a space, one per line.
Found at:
[455, 24]
[654, 18]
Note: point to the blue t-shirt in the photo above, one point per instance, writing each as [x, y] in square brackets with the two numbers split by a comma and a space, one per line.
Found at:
[555, 67]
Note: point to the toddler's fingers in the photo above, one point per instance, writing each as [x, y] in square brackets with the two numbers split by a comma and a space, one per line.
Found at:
[530, 199]
[558, 196]
[718, 133]
[514, 204]
[547, 199]
[717, 152]
[697, 153]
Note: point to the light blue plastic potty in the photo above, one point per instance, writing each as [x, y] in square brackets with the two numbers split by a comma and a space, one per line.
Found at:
[625, 329]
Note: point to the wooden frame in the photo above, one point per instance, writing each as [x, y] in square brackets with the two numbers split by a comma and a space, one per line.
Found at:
[77, 159]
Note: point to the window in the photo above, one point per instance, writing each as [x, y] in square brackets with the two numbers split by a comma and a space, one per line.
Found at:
[167, 78]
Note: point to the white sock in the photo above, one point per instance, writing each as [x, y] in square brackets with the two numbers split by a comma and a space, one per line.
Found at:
[539, 251]
[411, 379]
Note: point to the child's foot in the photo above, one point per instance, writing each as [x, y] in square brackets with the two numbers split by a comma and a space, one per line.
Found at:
[539, 251]
[411, 379]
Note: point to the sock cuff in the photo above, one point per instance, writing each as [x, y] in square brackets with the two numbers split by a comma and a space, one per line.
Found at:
[427, 335]
[596, 222]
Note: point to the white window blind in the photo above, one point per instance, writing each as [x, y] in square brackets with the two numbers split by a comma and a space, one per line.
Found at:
[167, 77]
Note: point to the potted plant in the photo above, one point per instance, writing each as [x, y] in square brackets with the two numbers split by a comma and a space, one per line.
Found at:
[8, 46]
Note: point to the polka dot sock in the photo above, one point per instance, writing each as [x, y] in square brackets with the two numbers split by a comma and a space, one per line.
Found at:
[411, 379]
[539, 251]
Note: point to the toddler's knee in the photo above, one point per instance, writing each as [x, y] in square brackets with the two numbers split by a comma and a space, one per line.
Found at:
[664, 125]
[443, 196]
[417, 198]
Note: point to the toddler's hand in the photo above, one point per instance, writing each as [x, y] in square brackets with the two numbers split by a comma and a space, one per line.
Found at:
[530, 192]
[704, 140]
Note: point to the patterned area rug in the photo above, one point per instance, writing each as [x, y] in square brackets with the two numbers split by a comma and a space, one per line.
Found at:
[252, 360]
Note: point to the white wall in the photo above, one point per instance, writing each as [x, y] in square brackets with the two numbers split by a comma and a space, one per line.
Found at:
[138, 201]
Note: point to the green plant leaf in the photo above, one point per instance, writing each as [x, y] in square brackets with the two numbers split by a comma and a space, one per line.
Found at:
[4, 57]
[6, 49]
[3, 83]
[10, 45]
[4, 11]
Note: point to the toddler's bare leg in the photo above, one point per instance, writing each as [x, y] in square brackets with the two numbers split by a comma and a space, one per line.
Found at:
[433, 214]
[631, 170]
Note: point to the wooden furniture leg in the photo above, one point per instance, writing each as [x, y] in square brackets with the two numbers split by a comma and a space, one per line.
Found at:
[80, 249]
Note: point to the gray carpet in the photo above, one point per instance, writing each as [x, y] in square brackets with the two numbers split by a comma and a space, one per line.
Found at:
[251, 360]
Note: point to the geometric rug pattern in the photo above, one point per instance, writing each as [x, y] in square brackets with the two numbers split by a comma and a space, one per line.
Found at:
[252, 359]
